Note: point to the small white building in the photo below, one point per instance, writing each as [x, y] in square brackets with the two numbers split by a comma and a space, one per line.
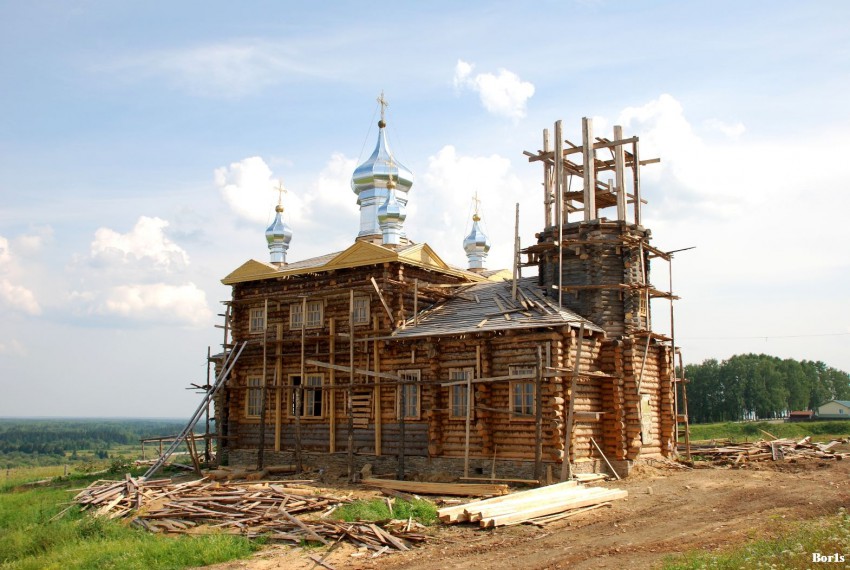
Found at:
[835, 410]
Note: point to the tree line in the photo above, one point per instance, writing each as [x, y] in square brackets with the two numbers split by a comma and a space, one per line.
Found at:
[59, 436]
[758, 386]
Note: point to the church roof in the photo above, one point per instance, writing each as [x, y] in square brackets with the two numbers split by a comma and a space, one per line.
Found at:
[359, 254]
[489, 306]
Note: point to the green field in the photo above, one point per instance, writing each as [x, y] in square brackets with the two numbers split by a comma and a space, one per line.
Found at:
[30, 538]
[753, 431]
[791, 548]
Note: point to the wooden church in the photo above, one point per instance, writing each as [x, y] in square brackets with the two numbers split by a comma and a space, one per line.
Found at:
[385, 354]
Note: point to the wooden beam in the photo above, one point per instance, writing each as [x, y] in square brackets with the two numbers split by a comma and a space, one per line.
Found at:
[350, 402]
[376, 357]
[566, 467]
[619, 174]
[332, 379]
[589, 162]
[559, 206]
[383, 301]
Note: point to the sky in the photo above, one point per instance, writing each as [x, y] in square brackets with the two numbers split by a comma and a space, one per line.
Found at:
[140, 143]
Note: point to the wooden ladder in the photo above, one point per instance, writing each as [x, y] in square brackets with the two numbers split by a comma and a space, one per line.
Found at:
[682, 426]
[229, 361]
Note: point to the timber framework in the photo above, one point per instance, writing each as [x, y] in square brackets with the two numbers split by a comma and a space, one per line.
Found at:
[385, 354]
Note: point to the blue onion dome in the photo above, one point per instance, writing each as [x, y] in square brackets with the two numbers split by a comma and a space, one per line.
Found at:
[391, 210]
[477, 241]
[376, 171]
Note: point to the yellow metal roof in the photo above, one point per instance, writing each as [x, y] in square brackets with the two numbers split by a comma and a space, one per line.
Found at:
[358, 254]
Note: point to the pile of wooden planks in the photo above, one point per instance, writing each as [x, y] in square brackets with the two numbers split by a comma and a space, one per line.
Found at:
[450, 489]
[247, 509]
[762, 450]
[544, 504]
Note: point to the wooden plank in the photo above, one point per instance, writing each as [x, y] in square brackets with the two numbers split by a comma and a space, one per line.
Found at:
[381, 297]
[424, 488]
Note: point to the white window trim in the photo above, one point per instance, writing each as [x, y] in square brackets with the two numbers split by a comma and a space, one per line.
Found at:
[516, 370]
[366, 318]
[417, 376]
[254, 387]
[456, 375]
[295, 309]
[256, 315]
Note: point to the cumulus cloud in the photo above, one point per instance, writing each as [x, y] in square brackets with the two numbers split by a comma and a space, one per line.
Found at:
[13, 296]
[503, 93]
[248, 187]
[731, 130]
[449, 182]
[145, 242]
[184, 304]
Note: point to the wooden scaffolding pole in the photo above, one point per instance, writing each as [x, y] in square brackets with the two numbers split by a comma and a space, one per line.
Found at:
[589, 158]
[636, 178]
[262, 445]
[278, 404]
[538, 416]
[620, 173]
[566, 466]
[559, 207]
[376, 356]
[516, 254]
[350, 403]
[332, 376]
[547, 183]
[299, 390]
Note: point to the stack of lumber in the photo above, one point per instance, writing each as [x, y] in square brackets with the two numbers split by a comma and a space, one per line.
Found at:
[268, 509]
[544, 504]
[775, 450]
[450, 489]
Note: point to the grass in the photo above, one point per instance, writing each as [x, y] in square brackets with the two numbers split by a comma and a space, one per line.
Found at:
[422, 511]
[750, 431]
[793, 550]
[29, 539]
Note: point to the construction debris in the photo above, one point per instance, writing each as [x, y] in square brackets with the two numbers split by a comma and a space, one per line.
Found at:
[762, 450]
[541, 505]
[451, 489]
[248, 509]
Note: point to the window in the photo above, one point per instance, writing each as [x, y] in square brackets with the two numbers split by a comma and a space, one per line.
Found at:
[522, 392]
[361, 310]
[296, 317]
[410, 407]
[257, 322]
[254, 398]
[311, 396]
[458, 391]
[314, 315]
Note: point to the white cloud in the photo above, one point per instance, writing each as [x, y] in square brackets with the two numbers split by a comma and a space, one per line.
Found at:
[13, 296]
[184, 304]
[503, 94]
[223, 70]
[18, 298]
[31, 244]
[444, 218]
[248, 187]
[145, 242]
[731, 130]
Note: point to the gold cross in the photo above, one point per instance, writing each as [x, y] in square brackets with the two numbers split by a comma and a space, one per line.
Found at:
[384, 105]
[280, 191]
[476, 202]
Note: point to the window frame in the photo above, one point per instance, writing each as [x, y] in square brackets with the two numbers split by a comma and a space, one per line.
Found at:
[297, 319]
[529, 385]
[311, 393]
[457, 393]
[253, 396]
[366, 312]
[416, 376]
[256, 320]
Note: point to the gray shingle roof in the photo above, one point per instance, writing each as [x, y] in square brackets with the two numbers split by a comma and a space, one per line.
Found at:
[488, 307]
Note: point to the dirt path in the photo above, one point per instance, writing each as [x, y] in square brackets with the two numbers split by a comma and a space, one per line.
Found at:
[667, 511]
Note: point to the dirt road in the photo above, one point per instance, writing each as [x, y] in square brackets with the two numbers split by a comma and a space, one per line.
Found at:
[668, 511]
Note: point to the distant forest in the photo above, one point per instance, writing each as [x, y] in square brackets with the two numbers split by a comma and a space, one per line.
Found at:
[61, 438]
[758, 386]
